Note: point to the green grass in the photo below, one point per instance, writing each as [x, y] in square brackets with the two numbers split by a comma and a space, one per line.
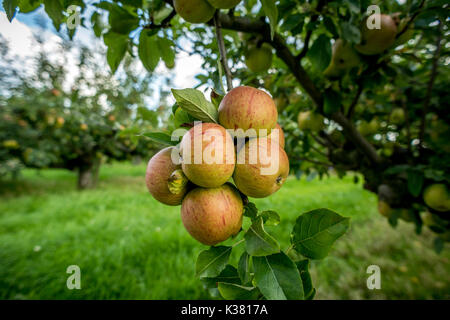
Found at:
[129, 246]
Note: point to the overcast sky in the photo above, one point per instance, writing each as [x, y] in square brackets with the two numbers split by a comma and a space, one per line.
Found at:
[19, 34]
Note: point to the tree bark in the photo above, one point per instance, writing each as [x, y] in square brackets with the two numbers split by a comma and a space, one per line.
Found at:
[88, 174]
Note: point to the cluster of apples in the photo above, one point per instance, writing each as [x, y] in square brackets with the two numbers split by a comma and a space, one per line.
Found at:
[211, 206]
[436, 197]
[373, 41]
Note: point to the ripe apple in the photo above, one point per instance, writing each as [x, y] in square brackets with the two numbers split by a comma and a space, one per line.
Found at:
[375, 41]
[437, 197]
[194, 11]
[280, 139]
[212, 215]
[159, 170]
[397, 116]
[259, 59]
[248, 108]
[343, 59]
[384, 208]
[208, 155]
[308, 120]
[224, 4]
[262, 167]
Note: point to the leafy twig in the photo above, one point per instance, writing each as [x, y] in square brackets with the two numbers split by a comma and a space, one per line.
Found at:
[164, 24]
[410, 21]
[222, 50]
[314, 18]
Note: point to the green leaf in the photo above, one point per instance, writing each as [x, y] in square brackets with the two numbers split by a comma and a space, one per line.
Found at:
[351, 33]
[121, 20]
[332, 102]
[193, 102]
[415, 182]
[258, 242]
[54, 9]
[10, 8]
[182, 117]
[160, 137]
[353, 5]
[211, 262]
[27, 6]
[167, 51]
[250, 210]
[228, 275]
[308, 289]
[232, 291]
[320, 53]
[315, 232]
[270, 217]
[117, 47]
[330, 26]
[244, 268]
[97, 24]
[271, 11]
[148, 50]
[277, 277]
[148, 115]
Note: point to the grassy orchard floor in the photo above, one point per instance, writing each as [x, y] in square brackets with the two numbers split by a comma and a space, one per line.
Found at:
[128, 246]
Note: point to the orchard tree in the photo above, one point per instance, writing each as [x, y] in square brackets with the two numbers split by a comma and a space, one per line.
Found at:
[359, 86]
[50, 119]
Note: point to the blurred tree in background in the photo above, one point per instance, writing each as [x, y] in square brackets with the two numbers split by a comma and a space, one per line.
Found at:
[54, 117]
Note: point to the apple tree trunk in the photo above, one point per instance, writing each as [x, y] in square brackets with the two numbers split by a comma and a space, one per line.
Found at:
[88, 174]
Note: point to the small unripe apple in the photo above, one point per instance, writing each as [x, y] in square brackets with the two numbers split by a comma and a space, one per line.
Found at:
[278, 136]
[437, 197]
[194, 11]
[262, 167]
[259, 59]
[384, 209]
[376, 41]
[397, 116]
[224, 4]
[281, 102]
[208, 155]
[368, 128]
[159, 171]
[343, 59]
[212, 215]
[248, 108]
[308, 120]
[406, 215]
[428, 219]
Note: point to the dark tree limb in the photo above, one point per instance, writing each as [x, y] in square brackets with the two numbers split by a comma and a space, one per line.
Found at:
[223, 51]
[351, 109]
